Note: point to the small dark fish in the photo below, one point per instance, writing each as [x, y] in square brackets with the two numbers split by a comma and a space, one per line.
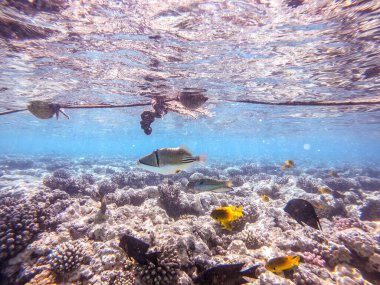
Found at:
[137, 249]
[192, 100]
[303, 212]
[226, 274]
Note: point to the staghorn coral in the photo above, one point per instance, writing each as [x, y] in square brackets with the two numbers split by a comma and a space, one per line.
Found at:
[66, 257]
[20, 221]
[165, 272]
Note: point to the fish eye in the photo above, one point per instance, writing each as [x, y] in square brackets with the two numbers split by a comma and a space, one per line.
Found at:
[201, 182]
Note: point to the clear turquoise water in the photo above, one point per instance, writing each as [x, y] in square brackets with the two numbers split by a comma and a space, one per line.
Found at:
[104, 133]
[123, 52]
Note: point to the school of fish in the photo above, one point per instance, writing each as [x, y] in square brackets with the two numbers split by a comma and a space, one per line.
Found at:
[169, 161]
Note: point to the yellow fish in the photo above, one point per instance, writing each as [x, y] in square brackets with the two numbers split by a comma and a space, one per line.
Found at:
[226, 215]
[324, 190]
[333, 174]
[169, 160]
[265, 198]
[280, 264]
[288, 164]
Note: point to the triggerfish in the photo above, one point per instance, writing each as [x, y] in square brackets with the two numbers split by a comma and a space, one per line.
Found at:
[226, 274]
[209, 184]
[169, 160]
[226, 215]
[280, 264]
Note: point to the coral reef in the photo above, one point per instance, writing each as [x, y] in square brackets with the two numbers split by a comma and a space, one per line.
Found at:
[62, 179]
[178, 224]
[165, 272]
[309, 184]
[20, 221]
[175, 202]
[66, 257]
[123, 278]
[314, 259]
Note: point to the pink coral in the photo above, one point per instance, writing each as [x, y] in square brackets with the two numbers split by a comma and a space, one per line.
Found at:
[346, 223]
[314, 259]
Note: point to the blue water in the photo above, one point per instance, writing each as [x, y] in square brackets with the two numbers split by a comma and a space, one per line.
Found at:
[124, 52]
[104, 133]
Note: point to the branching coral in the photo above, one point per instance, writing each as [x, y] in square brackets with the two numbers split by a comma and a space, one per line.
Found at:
[66, 257]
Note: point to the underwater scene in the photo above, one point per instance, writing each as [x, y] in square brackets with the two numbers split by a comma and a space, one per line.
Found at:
[192, 142]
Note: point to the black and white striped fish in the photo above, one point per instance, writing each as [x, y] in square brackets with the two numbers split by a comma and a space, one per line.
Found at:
[169, 160]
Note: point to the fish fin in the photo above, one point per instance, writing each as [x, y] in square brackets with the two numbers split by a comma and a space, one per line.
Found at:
[185, 148]
[251, 271]
[239, 211]
[201, 158]
[221, 190]
[229, 184]
[227, 226]
[319, 224]
[296, 260]
[153, 256]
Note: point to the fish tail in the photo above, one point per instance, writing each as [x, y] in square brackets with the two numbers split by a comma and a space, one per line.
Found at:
[250, 272]
[227, 226]
[201, 158]
[296, 260]
[239, 211]
[228, 184]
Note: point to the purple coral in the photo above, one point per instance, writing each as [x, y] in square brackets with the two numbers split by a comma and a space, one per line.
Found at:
[20, 221]
[176, 203]
[314, 259]
[341, 184]
[62, 179]
[309, 184]
[165, 272]
[346, 223]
